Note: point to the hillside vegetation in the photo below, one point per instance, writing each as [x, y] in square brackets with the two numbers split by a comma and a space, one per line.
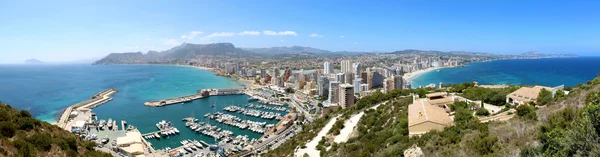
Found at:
[564, 126]
[23, 135]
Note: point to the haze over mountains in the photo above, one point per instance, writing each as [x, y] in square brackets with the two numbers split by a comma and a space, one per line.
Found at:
[188, 51]
[33, 61]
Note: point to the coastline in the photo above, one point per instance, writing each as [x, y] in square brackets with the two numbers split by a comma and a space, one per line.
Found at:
[242, 82]
[412, 75]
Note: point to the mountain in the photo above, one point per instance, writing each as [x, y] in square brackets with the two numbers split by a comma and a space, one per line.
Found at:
[23, 135]
[545, 55]
[33, 61]
[183, 51]
[286, 50]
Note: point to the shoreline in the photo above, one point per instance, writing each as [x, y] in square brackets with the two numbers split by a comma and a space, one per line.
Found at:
[412, 75]
[242, 82]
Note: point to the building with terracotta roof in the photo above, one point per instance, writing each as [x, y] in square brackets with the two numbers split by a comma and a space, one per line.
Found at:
[440, 99]
[529, 94]
[424, 117]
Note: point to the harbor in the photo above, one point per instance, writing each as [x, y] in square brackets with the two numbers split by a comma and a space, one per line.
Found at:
[82, 111]
[236, 123]
[208, 119]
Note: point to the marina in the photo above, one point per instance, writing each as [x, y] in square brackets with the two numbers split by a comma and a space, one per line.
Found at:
[211, 125]
[253, 112]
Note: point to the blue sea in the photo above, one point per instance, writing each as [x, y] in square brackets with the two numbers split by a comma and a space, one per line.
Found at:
[547, 72]
[45, 90]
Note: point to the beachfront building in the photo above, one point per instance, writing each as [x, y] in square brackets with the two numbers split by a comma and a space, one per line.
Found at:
[529, 94]
[229, 68]
[424, 117]
[388, 85]
[346, 95]
[263, 73]
[286, 74]
[398, 82]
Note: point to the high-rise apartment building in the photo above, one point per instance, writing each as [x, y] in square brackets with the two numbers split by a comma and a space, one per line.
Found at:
[346, 66]
[334, 90]
[327, 68]
[346, 94]
[323, 86]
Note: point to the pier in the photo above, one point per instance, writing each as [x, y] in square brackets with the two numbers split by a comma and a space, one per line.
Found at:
[95, 101]
[201, 94]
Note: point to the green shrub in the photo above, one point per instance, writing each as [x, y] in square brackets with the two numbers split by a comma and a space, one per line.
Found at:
[526, 111]
[25, 113]
[25, 148]
[41, 140]
[482, 112]
[27, 123]
[544, 98]
[7, 129]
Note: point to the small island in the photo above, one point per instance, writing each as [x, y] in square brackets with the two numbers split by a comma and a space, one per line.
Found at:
[33, 61]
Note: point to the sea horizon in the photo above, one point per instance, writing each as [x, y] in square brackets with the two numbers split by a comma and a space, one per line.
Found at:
[573, 71]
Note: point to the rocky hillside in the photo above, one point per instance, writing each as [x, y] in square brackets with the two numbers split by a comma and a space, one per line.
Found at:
[567, 126]
[181, 52]
[23, 135]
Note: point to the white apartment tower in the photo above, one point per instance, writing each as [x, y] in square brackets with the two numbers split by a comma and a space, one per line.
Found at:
[327, 68]
[346, 66]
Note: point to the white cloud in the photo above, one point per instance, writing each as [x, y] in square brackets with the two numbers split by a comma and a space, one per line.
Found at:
[281, 40]
[253, 33]
[172, 42]
[191, 35]
[342, 36]
[355, 43]
[220, 34]
[269, 32]
[315, 35]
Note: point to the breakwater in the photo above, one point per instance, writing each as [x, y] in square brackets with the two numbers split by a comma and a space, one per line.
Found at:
[201, 94]
[96, 100]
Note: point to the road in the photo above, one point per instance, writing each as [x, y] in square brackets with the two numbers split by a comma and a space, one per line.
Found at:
[261, 146]
[311, 147]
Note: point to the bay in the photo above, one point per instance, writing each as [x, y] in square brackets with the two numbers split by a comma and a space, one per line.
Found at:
[546, 72]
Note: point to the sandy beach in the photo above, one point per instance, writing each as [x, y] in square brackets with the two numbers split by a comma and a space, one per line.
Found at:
[412, 75]
[198, 67]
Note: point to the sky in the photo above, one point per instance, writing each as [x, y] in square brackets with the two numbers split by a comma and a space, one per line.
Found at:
[61, 31]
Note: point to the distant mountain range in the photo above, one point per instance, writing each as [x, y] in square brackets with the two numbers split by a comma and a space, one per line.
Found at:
[183, 51]
[286, 50]
[228, 50]
[187, 51]
[33, 61]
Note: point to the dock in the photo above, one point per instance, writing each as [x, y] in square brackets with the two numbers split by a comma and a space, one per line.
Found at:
[151, 133]
[95, 101]
[203, 93]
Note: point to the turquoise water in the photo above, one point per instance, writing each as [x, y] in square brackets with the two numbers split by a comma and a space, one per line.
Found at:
[547, 72]
[45, 90]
